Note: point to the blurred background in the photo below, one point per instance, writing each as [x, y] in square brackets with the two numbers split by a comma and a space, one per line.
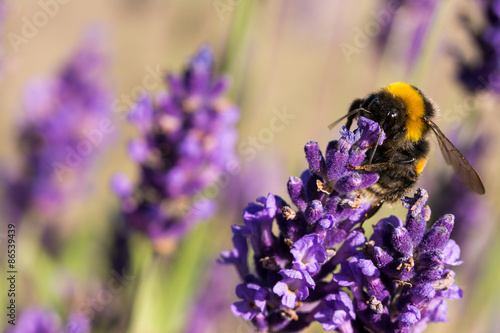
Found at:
[308, 59]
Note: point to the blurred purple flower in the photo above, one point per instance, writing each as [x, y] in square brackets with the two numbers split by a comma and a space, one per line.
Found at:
[241, 184]
[66, 124]
[188, 138]
[476, 218]
[484, 74]
[36, 320]
[410, 21]
[209, 311]
[397, 278]
[77, 323]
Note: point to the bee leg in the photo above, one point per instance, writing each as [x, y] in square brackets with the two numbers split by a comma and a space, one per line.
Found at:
[379, 166]
[372, 167]
[372, 211]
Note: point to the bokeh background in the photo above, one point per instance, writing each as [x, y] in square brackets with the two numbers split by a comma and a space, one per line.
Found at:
[311, 58]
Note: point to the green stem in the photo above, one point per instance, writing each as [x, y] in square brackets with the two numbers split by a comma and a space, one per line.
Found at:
[432, 40]
[180, 279]
[144, 271]
[235, 55]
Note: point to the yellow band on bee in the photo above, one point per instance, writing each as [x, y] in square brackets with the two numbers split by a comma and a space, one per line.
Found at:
[419, 167]
[415, 108]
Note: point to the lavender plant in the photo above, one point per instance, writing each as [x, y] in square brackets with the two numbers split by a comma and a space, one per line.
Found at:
[476, 215]
[37, 320]
[321, 267]
[208, 313]
[413, 20]
[61, 133]
[188, 138]
[484, 74]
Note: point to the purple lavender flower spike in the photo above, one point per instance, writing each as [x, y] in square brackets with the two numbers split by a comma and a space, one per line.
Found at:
[409, 21]
[483, 74]
[34, 320]
[475, 217]
[188, 138]
[66, 124]
[398, 279]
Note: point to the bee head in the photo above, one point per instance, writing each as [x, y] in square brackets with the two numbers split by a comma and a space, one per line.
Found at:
[387, 110]
[400, 108]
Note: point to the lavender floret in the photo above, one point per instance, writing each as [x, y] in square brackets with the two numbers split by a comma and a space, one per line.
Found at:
[398, 279]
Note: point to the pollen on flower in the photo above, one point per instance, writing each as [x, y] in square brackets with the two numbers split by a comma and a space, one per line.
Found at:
[403, 283]
[407, 264]
[324, 187]
[289, 213]
[444, 283]
[375, 304]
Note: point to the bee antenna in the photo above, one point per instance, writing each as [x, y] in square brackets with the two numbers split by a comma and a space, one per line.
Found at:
[350, 114]
[376, 144]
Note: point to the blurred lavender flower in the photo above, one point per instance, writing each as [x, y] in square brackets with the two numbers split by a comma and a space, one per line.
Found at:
[468, 207]
[242, 184]
[406, 18]
[485, 73]
[396, 279]
[209, 312]
[66, 124]
[188, 139]
[77, 323]
[35, 320]
[476, 215]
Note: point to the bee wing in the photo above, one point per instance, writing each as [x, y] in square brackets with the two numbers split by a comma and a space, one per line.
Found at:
[460, 165]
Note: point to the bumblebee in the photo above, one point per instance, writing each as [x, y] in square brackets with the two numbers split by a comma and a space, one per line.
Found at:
[406, 116]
